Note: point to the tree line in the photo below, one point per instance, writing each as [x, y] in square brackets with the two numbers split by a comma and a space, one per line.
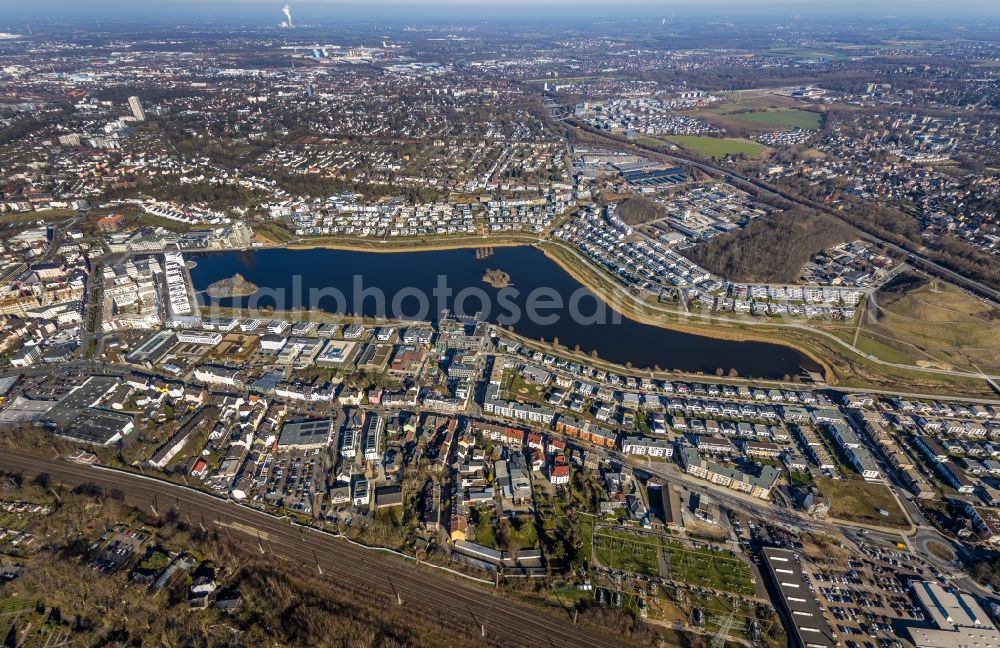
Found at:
[904, 230]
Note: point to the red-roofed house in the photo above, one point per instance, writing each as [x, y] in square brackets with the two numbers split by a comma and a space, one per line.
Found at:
[200, 468]
[559, 474]
[513, 437]
[111, 222]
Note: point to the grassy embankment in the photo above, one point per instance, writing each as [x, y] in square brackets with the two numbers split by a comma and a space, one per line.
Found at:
[409, 244]
[842, 366]
[927, 324]
[47, 215]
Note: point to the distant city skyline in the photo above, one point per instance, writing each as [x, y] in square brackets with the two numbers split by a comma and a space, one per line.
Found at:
[424, 10]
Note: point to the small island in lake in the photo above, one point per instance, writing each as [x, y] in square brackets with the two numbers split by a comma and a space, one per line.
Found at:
[497, 278]
[235, 286]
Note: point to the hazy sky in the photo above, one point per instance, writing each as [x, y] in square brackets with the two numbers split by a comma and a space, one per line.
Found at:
[403, 10]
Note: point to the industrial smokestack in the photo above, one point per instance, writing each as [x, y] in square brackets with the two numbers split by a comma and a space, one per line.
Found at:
[288, 14]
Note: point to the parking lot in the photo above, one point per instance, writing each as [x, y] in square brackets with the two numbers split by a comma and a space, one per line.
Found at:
[291, 480]
[869, 596]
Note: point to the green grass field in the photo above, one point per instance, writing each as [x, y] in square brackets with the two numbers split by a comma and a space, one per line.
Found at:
[787, 118]
[646, 140]
[520, 388]
[702, 566]
[715, 569]
[522, 533]
[718, 146]
[927, 324]
[486, 533]
[936, 323]
[856, 500]
[619, 551]
[587, 535]
[13, 605]
[806, 53]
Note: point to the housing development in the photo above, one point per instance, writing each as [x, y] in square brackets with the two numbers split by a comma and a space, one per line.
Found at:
[576, 332]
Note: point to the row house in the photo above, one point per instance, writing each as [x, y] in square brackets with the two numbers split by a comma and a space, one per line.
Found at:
[643, 447]
[587, 431]
[519, 411]
[759, 485]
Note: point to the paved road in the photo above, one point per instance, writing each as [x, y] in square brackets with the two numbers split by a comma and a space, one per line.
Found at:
[450, 602]
[918, 537]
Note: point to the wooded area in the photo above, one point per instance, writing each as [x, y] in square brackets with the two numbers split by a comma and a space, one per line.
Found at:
[902, 229]
[639, 210]
[213, 195]
[772, 249]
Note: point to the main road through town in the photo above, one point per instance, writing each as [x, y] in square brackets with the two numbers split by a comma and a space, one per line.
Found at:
[451, 602]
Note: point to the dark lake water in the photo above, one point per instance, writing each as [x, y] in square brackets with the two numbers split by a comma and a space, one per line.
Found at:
[542, 302]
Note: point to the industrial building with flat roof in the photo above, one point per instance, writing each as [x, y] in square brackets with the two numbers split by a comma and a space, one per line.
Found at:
[957, 619]
[305, 434]
[809, 628]
[77, 416]
[336, 353]
[153, 348]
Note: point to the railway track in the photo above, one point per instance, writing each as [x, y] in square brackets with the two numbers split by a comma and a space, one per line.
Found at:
[459, 606]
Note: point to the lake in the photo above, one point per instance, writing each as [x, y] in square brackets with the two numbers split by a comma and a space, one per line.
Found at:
[542, 301]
